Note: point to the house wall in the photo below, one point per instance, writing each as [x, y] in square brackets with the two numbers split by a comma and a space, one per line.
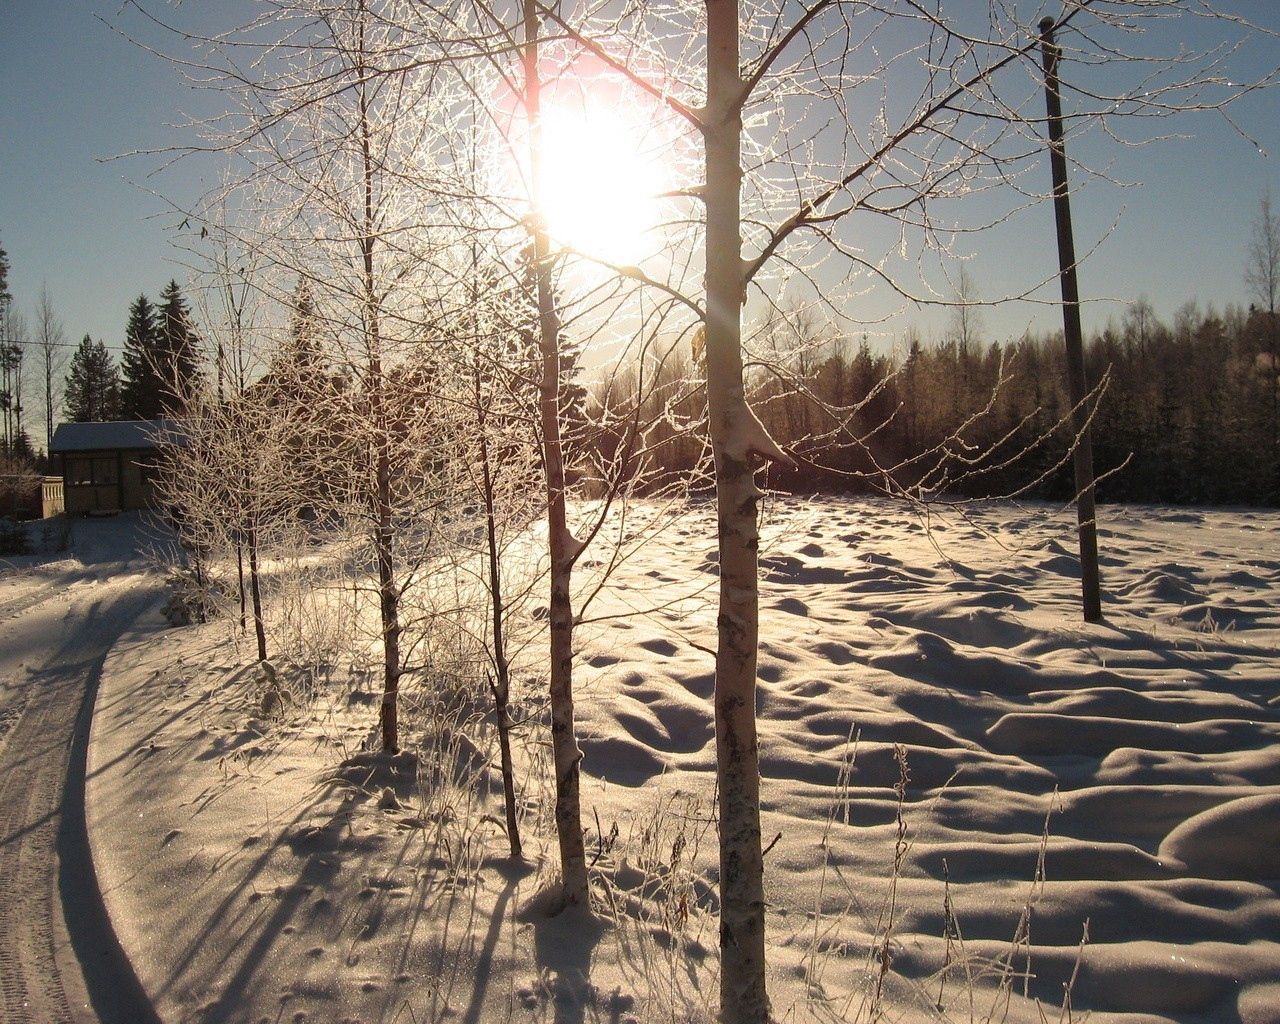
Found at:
[107, 480]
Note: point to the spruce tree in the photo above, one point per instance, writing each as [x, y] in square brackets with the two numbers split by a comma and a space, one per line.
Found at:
[301, 350]
[22, 449]
[140, 394]
[177, 351]
[93, 384]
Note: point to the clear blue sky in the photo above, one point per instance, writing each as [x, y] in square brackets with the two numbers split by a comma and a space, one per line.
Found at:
[74, 92]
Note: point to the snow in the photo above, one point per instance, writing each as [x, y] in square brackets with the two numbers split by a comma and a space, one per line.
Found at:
[1123, 776]
[60, 614]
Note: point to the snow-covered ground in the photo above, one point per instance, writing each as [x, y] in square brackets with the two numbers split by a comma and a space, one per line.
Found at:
[1051, 777]
[60, 614]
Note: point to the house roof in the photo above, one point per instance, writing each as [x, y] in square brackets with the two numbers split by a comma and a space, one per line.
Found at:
[127, 435]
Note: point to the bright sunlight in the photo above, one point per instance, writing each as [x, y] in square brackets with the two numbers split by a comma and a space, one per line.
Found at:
[608, 154]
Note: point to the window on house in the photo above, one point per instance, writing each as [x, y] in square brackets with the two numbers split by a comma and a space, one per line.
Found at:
[95, 472]
[80, 472]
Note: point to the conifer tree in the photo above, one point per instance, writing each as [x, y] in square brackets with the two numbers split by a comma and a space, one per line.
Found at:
[302, 351]
[161, 358]
[93, 384]
[140, 397]
[21, 449]
[177, 350]
[10, 360]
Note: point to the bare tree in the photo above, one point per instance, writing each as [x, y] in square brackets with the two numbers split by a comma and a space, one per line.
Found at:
[227, 482]
[14, 341]
[51, 357]
[328, 164]
[965, 332]
[495, 446]
[227, 303]
[1262, 276]
[237, 426]
[512, 52]
[1262, 271]
[564, 547]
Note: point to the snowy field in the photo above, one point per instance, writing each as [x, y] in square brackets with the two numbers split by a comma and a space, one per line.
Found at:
[963, 781]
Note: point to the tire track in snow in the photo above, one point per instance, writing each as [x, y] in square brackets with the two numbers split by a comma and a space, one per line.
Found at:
[59, 960]
[16, 606]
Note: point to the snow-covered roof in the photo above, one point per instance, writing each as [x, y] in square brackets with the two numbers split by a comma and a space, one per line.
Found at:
[122, 434]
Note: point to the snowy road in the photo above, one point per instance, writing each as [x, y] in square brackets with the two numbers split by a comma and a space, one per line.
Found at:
[59, 960]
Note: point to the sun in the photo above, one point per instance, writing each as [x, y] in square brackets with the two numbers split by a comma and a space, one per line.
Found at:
[607, 162]
[601, 183]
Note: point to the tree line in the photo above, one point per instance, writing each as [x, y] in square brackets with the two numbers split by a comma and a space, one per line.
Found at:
[159, 367]
[1187, 412]
[1183, 412]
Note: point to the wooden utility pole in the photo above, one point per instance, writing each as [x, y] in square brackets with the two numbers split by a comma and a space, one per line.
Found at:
[1078, 385]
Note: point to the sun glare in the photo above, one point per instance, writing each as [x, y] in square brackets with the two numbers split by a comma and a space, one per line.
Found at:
[607, 155]
[600, 189]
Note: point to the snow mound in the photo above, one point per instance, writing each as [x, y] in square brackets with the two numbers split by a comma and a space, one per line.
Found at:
[1239, 839]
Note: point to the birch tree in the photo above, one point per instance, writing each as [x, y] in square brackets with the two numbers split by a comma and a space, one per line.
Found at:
[507, 62]
[563, 547]
[228, 481]
[236, 422]
[51, 358]
[326, 134]
[492, 389]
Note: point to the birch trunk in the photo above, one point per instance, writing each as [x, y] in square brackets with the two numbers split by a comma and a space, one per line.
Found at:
[563, 549]
[743, 999]
[383, 535]
[501, 685]
[240, 579]
[200, 582]
[255, 592]
[388, 595]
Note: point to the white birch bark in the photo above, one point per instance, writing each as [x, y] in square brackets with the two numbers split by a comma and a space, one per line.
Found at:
[743, 998]
[567, 756]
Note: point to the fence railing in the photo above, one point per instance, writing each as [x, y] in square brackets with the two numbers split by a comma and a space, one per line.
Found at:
[52, 497]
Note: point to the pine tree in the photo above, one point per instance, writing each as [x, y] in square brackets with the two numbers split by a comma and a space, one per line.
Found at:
[140, 396]
[93, 384]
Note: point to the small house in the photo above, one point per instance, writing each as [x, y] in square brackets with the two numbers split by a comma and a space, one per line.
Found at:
[109, 467]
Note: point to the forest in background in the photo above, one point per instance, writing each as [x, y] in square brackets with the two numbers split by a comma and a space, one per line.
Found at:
[1186, 412]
